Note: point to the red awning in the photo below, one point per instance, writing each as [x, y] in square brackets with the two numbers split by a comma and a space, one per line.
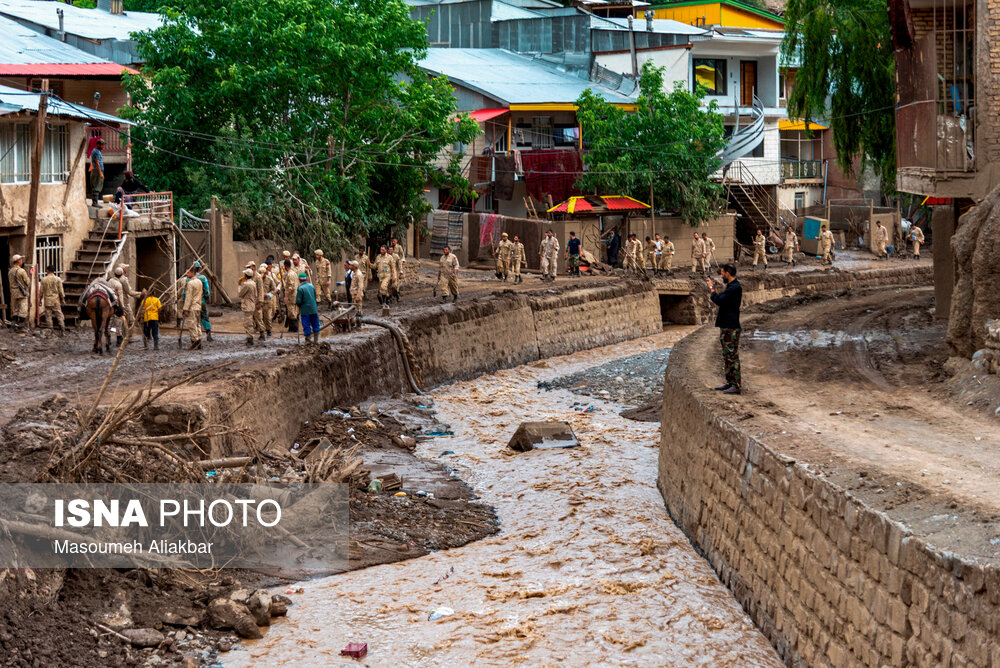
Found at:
[483, 115]
[935, 201]
[587, 203]
[65, 70]
[624, 204]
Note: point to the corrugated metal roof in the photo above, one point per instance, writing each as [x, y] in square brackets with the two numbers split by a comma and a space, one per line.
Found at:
[21, 46]
[89, 23]
[25, 101]
[510, 78]
[64, 70]
[668, 26]
[501, 11]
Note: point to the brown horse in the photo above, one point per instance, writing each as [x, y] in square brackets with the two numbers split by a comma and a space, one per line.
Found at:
[99, 311]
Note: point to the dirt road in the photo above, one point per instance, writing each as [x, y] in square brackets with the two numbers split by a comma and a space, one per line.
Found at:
[857, 386]
[588, 567]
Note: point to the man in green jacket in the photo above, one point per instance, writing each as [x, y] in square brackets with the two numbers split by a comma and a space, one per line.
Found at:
[305, 300]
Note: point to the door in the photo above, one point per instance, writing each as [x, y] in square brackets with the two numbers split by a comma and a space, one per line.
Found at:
[800, 201]
[748, 82]
[4, 268]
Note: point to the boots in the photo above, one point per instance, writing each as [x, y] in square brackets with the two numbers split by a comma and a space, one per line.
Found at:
[454, 298]
[118, 341]
[145, 343]
[196, 345]
[156, 344]
[249, 341]
[315, 337]
[208, 335]
[262, 337]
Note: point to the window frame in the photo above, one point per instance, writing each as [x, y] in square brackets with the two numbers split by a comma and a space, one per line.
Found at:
[721, 68]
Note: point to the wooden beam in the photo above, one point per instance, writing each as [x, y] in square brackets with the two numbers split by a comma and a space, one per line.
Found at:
[36, 175]
[74, 166]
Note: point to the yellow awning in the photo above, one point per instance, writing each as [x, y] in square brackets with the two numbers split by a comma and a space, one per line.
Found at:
[560, 106]
[799, 125]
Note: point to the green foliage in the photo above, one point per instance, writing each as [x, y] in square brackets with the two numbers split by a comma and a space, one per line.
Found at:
[847, 73]
[667, 147]
[331, 127]
[85, 4]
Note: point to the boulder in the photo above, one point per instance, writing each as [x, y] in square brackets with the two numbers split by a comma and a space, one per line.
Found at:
[537, 435]
[225, 613]
[279, 605]
[260, 607]
[143, 637]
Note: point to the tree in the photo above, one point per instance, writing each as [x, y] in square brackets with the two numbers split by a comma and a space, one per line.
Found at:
[309, 118]
[843, 49]
[664, 151]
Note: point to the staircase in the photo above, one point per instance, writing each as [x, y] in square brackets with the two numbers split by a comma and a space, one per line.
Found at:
[753, 200]
[94, 259]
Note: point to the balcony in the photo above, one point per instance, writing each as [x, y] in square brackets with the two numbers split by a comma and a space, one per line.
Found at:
[801, 169]
[115, 142]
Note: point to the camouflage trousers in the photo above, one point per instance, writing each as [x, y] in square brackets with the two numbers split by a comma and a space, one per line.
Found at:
[730, 340]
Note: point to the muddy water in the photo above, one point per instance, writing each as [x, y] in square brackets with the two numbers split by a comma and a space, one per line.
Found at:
[588, 569]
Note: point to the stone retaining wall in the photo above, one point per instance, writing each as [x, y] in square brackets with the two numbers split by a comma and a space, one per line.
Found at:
[829, 580]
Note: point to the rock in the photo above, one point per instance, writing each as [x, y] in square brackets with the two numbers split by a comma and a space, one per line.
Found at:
[403, 441]
[161, 418]
[180, 635]
[225, 613]
[182, 617]
[553, 434]
[240, 596]
[143, 637]
[224, 646]
[279, 605]
[260, 607]
[189, 662]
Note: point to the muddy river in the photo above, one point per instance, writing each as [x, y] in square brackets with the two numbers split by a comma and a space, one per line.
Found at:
[588, 568]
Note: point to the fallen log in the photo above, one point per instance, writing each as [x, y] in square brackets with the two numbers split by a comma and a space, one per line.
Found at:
[226, 463]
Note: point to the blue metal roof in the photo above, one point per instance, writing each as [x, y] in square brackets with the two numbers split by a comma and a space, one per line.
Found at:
[22, 46]
[14, 100]
[510, 78]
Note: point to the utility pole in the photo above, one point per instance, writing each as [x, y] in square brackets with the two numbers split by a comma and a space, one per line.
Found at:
[36, 175]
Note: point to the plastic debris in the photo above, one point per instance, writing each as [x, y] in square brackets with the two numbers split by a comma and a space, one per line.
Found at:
[375, 486]
[295, 590]
[400, 494]
[440, 433]
[439, 612]
[334, 411]
[211, 474]
[447, 452]
[355, 650]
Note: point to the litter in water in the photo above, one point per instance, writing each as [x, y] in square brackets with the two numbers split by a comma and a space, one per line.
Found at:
[440, 612]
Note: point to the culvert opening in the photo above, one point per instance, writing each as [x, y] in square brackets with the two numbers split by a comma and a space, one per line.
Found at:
[678, 309]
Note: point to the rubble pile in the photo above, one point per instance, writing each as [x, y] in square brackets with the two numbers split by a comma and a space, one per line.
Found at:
[988, 359]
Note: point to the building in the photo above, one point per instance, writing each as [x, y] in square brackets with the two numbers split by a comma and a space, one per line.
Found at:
[29, 58]
[105, 32]
[81, 242]
[722, 13]
[528, 157]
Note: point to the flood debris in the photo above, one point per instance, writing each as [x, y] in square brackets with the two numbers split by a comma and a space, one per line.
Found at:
[356, 650]
[543, 435]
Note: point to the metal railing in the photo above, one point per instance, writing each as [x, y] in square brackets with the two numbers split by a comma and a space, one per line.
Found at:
[114, 140]
[747, 138]
[801, 169]
[155, 206]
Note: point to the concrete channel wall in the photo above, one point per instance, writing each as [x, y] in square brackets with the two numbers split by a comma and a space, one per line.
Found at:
[829, 580]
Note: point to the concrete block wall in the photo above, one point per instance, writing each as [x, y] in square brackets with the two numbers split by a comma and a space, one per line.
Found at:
[829, 580]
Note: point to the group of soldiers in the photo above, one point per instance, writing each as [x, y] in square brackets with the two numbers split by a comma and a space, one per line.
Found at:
[510, 256]
[658, 254]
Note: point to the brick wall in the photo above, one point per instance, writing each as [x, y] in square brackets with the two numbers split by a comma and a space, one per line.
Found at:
[829, 580]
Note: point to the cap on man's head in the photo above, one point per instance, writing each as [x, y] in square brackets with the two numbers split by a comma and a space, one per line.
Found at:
[251, 263]
[16, 258]
[303, 276]
[248, 272]
[287, 253]
[119, 271]
[296, 257]
[263, 266]
[318, 252]
[100, 141]
[505, 235]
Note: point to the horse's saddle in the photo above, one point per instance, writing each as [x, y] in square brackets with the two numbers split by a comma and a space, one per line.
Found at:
[101, 288]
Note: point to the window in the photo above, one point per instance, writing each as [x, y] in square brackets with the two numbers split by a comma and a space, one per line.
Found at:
[782, 93]
[711, 74]
[15, 152]
[49, 251]
[800, 201]
[55, 159]
[567, 135]
[758, 150]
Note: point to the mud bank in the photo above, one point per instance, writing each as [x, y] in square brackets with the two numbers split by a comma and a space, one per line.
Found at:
[831, 578]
